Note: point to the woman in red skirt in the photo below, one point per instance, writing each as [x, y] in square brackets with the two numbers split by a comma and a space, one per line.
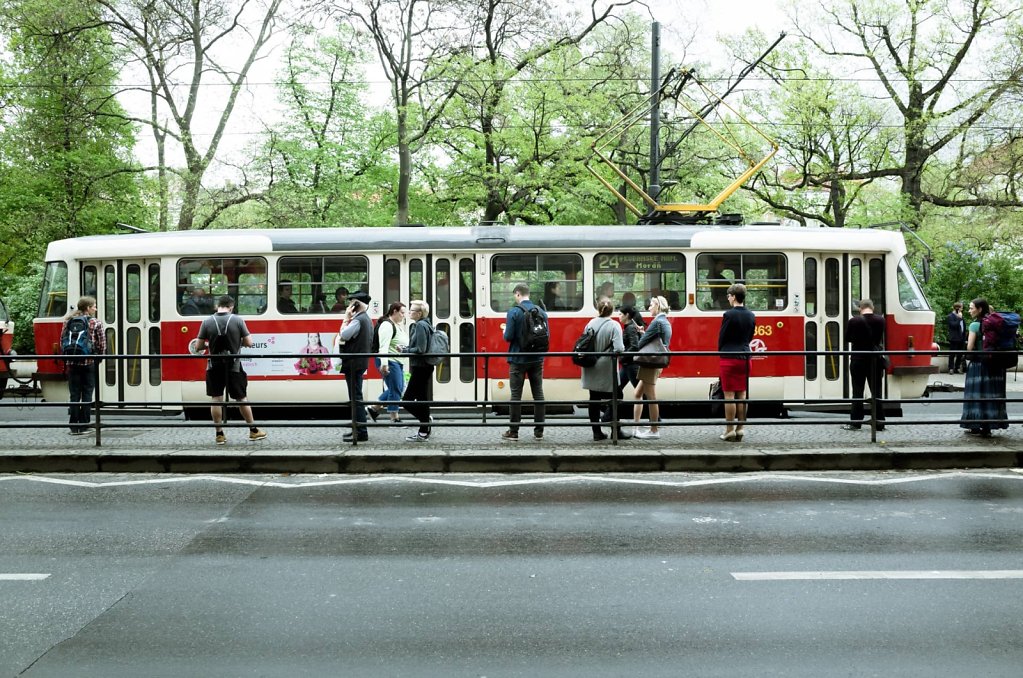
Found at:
[736, 333]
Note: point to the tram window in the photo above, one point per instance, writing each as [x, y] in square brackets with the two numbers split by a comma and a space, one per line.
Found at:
[89, 281]
[442, 273]
[831, 343]
[154, 293]
[134, 289]
[876, 270]
[392, 282]
[466, 344]
[109, 294]
[133, 364]
[630, 279]
[765, 277]
[110, 366]
[443, 371]
[855, 281]
[154, 363]
[810, 282]
[910, 295]
[201, 281]
[416, 288]
[832, 290]
[53, 301]
[316, 283]
[559, 277]
[810, 344]
[466, 288]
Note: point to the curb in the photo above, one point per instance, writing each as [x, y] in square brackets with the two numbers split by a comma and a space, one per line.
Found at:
[698, 461]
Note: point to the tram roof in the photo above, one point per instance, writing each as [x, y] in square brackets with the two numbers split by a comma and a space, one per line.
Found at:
[407, 238]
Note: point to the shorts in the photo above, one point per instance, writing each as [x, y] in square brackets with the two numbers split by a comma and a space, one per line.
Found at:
[236, 383]
[648, 375]
[734, 374]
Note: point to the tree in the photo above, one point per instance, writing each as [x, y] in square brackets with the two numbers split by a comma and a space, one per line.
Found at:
[324, 164]
[65, 151]
[925, 55]
[828, 133]
[524, 83]
[186, 48]
[415, 41]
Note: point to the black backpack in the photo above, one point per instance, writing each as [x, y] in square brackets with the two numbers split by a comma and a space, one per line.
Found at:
[586, 344]
[375, 348]
[220, 346]
[534, 335]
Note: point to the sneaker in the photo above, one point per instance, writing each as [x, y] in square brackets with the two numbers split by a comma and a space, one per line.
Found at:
[221, 439]
[349, 438]
[647, 434]
[258, 434]
[510, 435]
[417, 437]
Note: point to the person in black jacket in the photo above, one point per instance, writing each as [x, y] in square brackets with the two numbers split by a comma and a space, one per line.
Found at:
[417, 392]
[357, 337]
[737, 327]
[865, 332]
[956, 339]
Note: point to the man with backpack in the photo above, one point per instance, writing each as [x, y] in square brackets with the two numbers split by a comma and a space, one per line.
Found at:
[528, 338]
[81, 336]
[225, 333]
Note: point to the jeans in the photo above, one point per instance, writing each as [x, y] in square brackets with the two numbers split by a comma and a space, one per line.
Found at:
[394, 384]
[354, 381]
[859, 375]
[81, 383]
[519, 372]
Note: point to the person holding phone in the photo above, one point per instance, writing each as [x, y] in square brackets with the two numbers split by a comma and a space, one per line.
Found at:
[356, 338]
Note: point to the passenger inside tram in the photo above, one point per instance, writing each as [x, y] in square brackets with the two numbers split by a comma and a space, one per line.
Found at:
[284, 302]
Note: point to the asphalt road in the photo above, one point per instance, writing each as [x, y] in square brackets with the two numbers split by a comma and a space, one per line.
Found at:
[652, 575]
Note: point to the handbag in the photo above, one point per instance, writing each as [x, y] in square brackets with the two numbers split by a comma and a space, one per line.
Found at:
[717, 398]
[653, 354]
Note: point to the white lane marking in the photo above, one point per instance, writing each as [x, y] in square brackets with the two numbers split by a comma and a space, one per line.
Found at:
[1013, 474]
[878, 574]
[26, 576]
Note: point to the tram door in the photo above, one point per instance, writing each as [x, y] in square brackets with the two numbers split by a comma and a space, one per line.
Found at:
[826, 306]
[128, 298]
[834, 284]
[448, 283]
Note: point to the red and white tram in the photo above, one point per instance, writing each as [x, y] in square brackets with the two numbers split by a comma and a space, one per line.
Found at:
[153, 290]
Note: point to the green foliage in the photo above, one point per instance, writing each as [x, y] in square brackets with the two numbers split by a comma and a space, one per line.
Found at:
[324, 164]
[21, 296]
[66, 148]
[962, 271]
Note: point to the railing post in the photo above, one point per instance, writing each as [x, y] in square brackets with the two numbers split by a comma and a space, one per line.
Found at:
[96, 401]
[486, 385]
[872, 382]
[615, 426]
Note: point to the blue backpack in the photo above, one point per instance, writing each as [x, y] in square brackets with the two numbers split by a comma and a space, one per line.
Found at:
[76, 339]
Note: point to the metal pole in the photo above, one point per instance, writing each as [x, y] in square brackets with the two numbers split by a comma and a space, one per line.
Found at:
[95, 400]
[655, 110]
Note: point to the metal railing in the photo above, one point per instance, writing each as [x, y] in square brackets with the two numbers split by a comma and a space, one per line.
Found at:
[486, 406]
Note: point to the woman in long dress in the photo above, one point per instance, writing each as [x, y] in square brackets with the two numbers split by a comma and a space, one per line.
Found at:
[984, 393]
